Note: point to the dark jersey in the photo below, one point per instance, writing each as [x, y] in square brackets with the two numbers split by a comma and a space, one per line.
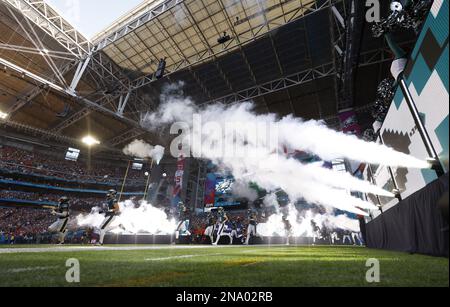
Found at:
[221, 216]
[252, 219]
[63, 210]
[183, 215]
[110, 207]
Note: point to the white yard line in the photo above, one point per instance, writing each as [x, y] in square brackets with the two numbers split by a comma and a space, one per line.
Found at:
[32, 269]
[181, 257]
[170, 258]
[65, 249]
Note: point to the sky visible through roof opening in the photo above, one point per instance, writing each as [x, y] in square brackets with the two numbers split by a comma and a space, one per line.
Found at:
[90, 17]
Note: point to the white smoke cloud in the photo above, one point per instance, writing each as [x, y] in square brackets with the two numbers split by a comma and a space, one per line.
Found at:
[242, 189]
[141, 149]
[301, 223]
[260, 162]
[271, 200]
[142, 219]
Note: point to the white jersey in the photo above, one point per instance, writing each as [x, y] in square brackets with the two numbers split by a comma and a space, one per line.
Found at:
[59, 226]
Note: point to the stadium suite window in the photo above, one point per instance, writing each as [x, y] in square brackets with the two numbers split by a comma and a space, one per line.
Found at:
[72, 154]
[340, 167]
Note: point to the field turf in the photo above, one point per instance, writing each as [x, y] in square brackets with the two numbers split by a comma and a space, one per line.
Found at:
[202, 266]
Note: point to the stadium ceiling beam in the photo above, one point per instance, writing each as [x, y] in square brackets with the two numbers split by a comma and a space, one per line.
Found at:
[277, 58]
[277, 85]
[216, 62]
[116, 84]
[210, 53]
[207, 45]
[241, 50]
[46, 134]
[325, 70]
[50, 53]
[90, 105]
[47, 19]
[30, 32]
[354, 25]
[35, 91]
[337, 17]
[182, 55]
[43, 133]
[32, 91]
[149, 13]
[120, 139]
[368, 58]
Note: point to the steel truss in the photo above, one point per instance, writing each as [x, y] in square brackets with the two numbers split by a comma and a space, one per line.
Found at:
[148, 14]
[326, 70]
[109, 71]
[39, 132]
[338, 17]
[353, 33]
[212, 52]
[35, 91]
[98, 105]
[277, 85]
[111, 79]
[43, 133]
[122, 138]
[46, 18]
[117, 86]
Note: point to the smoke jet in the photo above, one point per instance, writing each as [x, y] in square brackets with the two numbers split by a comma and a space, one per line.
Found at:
[265, 160]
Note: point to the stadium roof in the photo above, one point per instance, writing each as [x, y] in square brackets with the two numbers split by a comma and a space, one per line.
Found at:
[286, 55]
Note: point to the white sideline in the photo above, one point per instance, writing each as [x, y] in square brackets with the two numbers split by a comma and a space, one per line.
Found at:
[180, 257]
[65, 249]
[31, 269]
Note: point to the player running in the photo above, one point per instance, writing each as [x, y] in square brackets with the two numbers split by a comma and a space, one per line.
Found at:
[222, 218]
[237, 231]
[287, 228]
[111, 210]
[62, 213]
[315, 231]
[211, 228]
[184, 221]
[251, 228]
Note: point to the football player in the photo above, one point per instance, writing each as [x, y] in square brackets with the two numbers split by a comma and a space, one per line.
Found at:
[222, 218]
[315, 231]
[184, 221]
[111, 210]
[251, 228]
[209, 231]
[62, 213]
[237, 231]
[287, 228]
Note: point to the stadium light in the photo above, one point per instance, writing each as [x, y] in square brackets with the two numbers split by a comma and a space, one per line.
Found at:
[90, 141]
[3, 115]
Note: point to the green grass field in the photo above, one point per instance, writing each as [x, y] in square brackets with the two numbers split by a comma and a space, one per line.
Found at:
[218, 266]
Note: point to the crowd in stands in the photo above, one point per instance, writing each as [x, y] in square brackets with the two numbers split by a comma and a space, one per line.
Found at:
[21, 222]
[79, 204]
[26, 162]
